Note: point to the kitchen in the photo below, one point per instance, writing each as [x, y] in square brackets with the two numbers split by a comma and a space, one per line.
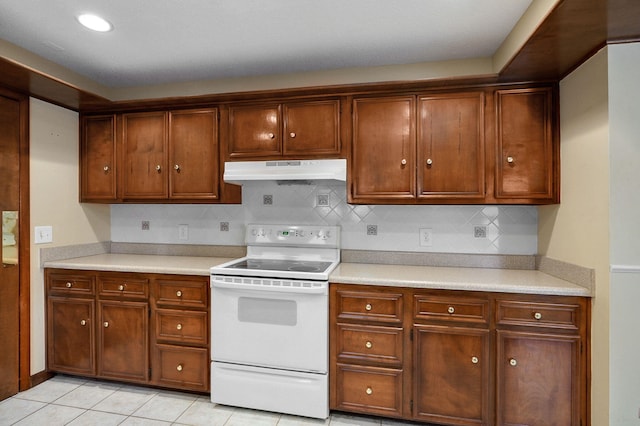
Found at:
[595, 103]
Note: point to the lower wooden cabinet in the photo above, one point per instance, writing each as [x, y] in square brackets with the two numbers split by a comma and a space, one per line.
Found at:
[459, 358]
[140, 328]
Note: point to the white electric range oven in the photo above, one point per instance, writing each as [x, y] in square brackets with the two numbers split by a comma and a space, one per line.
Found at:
[269, 321]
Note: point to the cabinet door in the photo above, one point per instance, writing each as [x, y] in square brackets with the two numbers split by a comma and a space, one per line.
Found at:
[527, 157]
[311, 128]
[254, 131]
[70, 335]
[451, 146]
[451, 375]
[538, 379]
[98, 159]
[383, 165]
[145, 155]
[123, 340]
[193, 153]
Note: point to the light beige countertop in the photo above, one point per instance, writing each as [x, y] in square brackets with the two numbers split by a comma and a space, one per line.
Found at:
[431, 277]
[182, 265]
[447, 278]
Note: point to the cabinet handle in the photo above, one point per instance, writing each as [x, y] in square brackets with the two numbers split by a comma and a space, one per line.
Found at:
[429, 161]
[537, 315]
[369, 391]
[121, 287]
[179, 367]
[179, 327]
[83, 322]
[69, 285]
[105, 324]
[510, 159]
[368, 345]
[106, 169]
[158, 168]
[179, 293]
[404, 161]
[368, 307]
[292, 135]
[474, 360]
[177, 168]
[451, 309]
[513, 362]
[271, 135]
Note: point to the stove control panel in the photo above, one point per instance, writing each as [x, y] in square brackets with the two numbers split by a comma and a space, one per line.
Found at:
[293, 235]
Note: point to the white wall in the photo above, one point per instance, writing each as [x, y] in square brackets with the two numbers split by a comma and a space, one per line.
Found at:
[577, 230]
[624, 135]
[510, 229]
[54, 201]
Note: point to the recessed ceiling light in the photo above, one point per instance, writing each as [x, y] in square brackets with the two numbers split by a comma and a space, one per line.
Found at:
[95, 23]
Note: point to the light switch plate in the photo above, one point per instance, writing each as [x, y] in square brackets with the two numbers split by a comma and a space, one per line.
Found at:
[43, 234]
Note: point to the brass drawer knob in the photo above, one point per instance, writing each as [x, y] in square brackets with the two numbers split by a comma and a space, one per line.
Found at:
[368, 307]
[121, 287]
[429, 161]
[179, 327]
[513, 362]
[292, 135]
[368, 345]
[179, 367]
[105, 324]
[451, 309]
[537, 316]
[510, 160]
[69, 285]
[106, 169]
[83, 322]
[369, 391]
[474, 360]
[179, 293]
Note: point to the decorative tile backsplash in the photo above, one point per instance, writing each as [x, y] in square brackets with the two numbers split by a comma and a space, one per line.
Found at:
[453, 229]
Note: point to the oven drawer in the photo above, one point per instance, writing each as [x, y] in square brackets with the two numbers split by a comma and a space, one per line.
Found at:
[184, 327]
[368, 306]
[183, 293]
[369, 344]
[369, 390]
[181, 367]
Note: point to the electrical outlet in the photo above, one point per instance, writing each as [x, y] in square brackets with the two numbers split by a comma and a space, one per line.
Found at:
[426, 237]
[267, 200]
[372, 229]
[322, 200]
[183, 232]
[480, 231]
[224, 226]
[145, 225]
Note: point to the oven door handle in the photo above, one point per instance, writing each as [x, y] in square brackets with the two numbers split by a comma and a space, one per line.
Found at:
[269, 288]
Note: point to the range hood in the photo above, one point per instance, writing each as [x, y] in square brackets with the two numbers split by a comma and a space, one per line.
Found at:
[286, 171]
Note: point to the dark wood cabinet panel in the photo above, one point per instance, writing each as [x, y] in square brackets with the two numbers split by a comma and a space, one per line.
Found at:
[98, 159]
[181, 367]
[311, 128]
[451, 375]
[451, 146]
[70, 335]
[538, 379]
[254, 131]
[123, 340]
[145, 155]
[383, 162]
[194, 154]
[527, 156]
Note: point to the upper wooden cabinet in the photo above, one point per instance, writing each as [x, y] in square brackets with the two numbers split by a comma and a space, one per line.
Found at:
[98, 161]
[527, 157]
[164, 156]
[291, 130]
[400, 159]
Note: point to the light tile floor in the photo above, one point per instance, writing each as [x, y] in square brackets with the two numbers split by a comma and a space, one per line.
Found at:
[66, 400]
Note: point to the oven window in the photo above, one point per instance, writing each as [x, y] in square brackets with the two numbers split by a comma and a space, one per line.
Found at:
[267, 311]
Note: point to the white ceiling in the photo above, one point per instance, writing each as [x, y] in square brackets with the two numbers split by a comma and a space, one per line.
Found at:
[171, 41]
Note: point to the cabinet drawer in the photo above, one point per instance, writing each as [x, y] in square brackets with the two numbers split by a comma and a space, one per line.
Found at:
[369, 390]
[553, 315]
[76, 285]
[453, 309]
[181, 368]
[183, 293]
[368, 306]
[123, 286]
[182, 327]
[370, 344]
